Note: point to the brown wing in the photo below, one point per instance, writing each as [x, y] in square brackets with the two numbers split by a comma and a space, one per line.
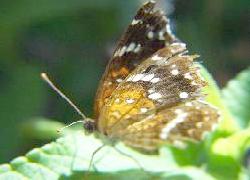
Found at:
[159, 102]
[148, 32]
[166, 79]
[191, 120]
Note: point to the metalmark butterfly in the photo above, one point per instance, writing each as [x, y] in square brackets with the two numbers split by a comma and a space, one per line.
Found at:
[150, 93]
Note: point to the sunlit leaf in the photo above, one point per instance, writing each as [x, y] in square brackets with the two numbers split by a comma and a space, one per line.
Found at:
[69, 158]
[237, 97]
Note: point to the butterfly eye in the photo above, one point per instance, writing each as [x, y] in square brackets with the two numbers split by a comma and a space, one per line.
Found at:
[89, 126]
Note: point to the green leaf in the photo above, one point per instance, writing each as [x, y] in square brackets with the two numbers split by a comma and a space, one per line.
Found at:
[237, 97]
[225, 148]
[41, 128]
[69, 158]
[227, 124]
[226, 155]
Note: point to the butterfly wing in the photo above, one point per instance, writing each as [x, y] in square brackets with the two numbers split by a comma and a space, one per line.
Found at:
[148, 32]
[165, 80]
[187, 121]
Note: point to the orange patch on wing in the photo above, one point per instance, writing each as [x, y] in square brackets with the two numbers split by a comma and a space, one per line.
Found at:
[121, 72]
[125, 103]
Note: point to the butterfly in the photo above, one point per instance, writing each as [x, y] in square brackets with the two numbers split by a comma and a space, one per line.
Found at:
[150, 93]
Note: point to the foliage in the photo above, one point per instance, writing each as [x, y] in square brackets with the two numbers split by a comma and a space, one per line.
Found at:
[239, 89]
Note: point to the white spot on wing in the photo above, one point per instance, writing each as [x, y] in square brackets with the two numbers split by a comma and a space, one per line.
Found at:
[178, 44]
[178, 111]
[168, 29]
[130, 78]
[164, 18]
[136, 21]
[155, 96]
[156, 58]
[194, 83]
[151, 1]
[130, 47]
[130, 101]
[189, 104]
[173, 66]
[183, 95]
[150, 35]
[159, 100]
[172, 124]
[117, 100]
[175, 72]
[148, 77]
[151, 91]
[188, 76]
[161, 35]
[116, 52]
[199, 124]
[137, 77]
[155, 80]
[122, 51]
[118, 80]
[137, 49]
[143, 110]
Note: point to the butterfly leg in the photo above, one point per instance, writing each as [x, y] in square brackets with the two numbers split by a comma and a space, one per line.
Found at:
[92, 160]
[131, 157]
[92, 156]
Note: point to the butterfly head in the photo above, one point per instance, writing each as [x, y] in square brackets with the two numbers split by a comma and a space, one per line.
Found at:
[89, 125]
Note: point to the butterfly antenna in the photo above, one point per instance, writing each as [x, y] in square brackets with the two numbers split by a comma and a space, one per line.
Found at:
[60, 130]
[45, 77]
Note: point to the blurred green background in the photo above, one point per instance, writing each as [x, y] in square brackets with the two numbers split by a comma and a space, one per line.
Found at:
[73, 40]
